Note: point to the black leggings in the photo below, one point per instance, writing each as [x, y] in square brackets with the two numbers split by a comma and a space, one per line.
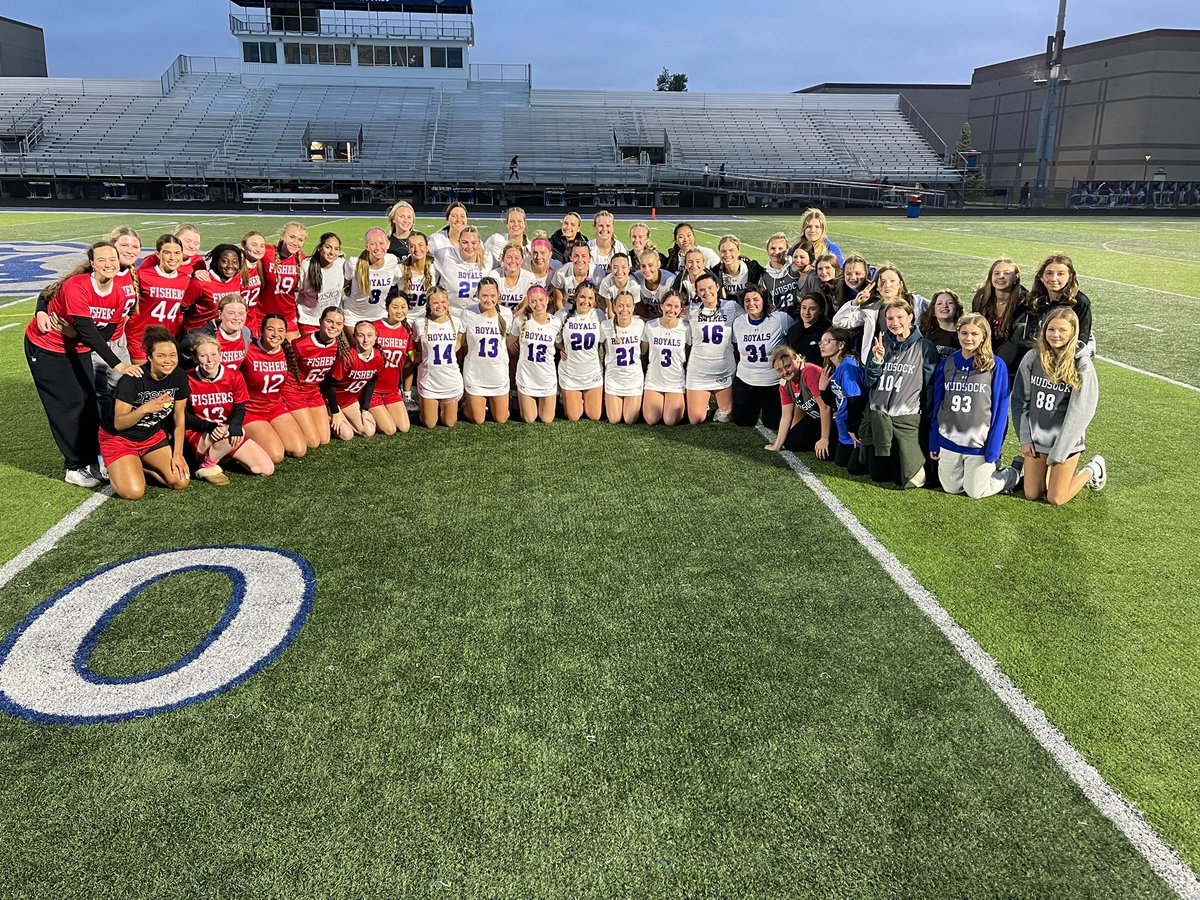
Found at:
[750, 401]
[843, 453]
[804, 435]
[65, 383]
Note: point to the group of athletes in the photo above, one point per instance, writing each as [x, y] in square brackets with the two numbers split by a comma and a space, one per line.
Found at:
[160, 366]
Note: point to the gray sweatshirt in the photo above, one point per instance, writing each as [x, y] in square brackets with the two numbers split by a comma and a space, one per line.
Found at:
[1053, 417]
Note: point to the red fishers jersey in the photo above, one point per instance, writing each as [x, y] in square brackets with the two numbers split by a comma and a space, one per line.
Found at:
[265, 374]
[314, 361]
[251, 291]
[280, 285]
[128, 287]
[233, 348]
[395, 344]
[351, 375]
[78, 297]
[213, 401]
[161, 301]
[186, 268]
[206, 297]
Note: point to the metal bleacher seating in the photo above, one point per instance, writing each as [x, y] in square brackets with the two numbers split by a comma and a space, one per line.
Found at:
[217, 124]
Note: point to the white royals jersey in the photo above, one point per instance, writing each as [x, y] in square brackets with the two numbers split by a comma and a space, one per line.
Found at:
[547, 280]
[623, 375]
[666, 352]
[485, 367]
[564, 279]
[755, 343]
[602, 261]
[710, 365]
[608, 289]
[580, 339]
[460, 279]
[512, 295]
[418, 287]
[309, 303]
[537, 374]
[438, 376]
[369, 306]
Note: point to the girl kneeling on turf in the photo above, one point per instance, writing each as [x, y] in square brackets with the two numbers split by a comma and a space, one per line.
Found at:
[351, 382]
[899, 375]
[1053, 401]
[484, 327]
[843, 377]
[394, 342]
[970, 415]
[666, 341]
[145, 434]
[579, 375]
[624, 378]
[268, 367]
[805, 422]
[532, 339]
[439, 380]
[216, 409]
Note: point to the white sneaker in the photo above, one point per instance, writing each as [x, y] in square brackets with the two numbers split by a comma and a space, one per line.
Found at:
[81, 478]
[1099, 469]
[723, 415]
[410, 402]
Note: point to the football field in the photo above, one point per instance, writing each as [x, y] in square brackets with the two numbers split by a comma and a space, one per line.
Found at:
[583, 660]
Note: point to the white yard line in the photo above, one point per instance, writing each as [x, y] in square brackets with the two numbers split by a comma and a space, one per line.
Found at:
[47, 541]
[1148, 328]
[15, 302]
[9, 325]
[1182, 384]
[1165, 862]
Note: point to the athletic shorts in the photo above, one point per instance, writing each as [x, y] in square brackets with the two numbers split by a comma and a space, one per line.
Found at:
[113, 446]
[265, 415]
[302, 396]
[386, 399]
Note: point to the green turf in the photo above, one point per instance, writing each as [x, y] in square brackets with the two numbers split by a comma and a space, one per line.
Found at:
[515, 682]
[1087, 607]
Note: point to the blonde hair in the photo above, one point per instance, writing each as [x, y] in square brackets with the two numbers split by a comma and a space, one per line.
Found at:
[181, 229]
[729, 239]
[985, 359]
[362, 270]
[480, 259]
[395, 208]
[812, 214]
[1059, 364]
[784, 352]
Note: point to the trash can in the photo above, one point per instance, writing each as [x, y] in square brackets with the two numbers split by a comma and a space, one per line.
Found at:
[913, 210]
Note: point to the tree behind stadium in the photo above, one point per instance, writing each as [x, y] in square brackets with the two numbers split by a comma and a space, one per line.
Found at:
[668, 82]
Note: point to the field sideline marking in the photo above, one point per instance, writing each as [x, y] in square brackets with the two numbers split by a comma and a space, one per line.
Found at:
[1165, 862]
[9, 325]
[47, 541]
[18, 300]
[1182, 384]
[1136, 287]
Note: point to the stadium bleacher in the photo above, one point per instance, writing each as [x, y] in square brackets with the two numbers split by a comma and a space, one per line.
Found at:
[218, 125]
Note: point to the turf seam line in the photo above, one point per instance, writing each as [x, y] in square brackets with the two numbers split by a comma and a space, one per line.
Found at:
[1137, 287]
[50, 539]
[1182, 384]
[1164, 861]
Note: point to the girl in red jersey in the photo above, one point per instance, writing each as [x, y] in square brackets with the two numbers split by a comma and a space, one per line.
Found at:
[313, 357]
[394, 343]
[215, 412]
[351, 384]
[82, 313]
[223, 279]
[320, 282]
[230, 331]
[162, 295]
[144, 437]
[254, 247]
[805, 422]
[282, 276]
[266, 369]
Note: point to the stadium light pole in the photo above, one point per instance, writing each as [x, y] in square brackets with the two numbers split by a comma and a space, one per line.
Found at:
[1048, 124]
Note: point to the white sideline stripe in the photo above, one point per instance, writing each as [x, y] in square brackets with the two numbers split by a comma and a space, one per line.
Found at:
[47, 541]
[1182, 384]
[1136, 287]
[1165, 862]
[15, 302]
[1148, 328]
[8, 326]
